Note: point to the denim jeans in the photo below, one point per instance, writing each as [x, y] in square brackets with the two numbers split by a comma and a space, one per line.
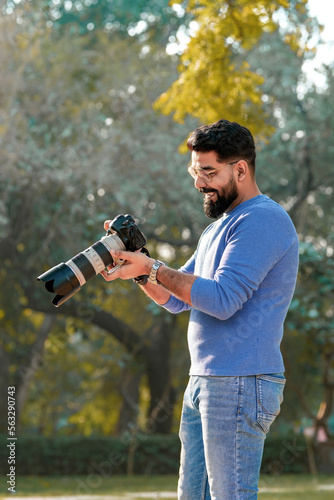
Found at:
[223, 427]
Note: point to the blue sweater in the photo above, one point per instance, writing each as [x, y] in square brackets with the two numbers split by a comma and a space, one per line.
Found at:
[247, 265]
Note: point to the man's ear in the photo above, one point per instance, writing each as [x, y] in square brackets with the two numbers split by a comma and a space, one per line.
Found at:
[242, 169]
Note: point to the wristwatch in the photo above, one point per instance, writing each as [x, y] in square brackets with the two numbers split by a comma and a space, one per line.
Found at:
[153, 274]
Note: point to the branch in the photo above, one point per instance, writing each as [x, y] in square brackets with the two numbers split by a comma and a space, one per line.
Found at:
[91, 314]
[28, 371]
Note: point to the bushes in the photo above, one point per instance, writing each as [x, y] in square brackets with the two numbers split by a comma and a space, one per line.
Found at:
[140, 454]
[285, 454]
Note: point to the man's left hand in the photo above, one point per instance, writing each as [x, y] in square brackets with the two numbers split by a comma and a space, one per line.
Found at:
[135, 264]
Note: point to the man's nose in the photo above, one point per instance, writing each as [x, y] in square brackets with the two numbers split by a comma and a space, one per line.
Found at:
[199, 182]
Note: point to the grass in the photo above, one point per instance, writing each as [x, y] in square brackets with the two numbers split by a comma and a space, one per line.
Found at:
[288, 487]
[295, 487]
[92, 484]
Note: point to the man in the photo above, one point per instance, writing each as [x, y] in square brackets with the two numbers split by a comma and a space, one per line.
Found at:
[238, 284]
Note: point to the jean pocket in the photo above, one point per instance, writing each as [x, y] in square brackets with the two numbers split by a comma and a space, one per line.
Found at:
[269, 389]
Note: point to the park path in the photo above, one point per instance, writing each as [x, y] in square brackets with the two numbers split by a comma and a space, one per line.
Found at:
[127, 496]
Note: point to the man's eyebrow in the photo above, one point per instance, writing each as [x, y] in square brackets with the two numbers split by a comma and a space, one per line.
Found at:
[208, 167]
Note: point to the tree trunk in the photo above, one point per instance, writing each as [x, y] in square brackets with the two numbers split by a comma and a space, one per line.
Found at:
[160, 414]
[27, 372]
[153, 351]
[129, 390]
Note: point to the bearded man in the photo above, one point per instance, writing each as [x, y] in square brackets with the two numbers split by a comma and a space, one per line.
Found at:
[238, 284]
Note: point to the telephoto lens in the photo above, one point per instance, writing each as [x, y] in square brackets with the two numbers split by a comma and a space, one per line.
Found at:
[67, 278]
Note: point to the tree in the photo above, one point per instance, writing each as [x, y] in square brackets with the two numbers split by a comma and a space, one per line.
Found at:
[79, 137]
[214, 67]
[295, 169]
[65, 114]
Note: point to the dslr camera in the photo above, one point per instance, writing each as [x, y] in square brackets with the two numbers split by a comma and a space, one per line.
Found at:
[67, 278]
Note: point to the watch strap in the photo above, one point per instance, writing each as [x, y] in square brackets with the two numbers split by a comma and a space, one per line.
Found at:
[153, 274]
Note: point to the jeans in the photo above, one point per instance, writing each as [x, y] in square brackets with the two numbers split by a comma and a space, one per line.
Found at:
[223, 427]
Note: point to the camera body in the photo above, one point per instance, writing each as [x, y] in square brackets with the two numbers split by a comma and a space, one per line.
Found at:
[66, 279]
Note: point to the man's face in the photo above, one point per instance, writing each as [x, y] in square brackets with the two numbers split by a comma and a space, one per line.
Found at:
[220, 190]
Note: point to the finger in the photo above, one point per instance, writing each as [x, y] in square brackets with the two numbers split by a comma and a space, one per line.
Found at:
[105, 275]
[106, 224]
[121, 254]
[109, 277]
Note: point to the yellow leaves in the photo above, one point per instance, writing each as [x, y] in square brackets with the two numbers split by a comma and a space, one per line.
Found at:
[293, 40]
[163, 98]
[284, 3]
[22, 42]
[23, 301]
[301, 6]
[92, 415]
[3, 129]
[215, 80]
[212, 90]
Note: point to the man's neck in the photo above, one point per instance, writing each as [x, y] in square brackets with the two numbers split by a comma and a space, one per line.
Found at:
[250, 193]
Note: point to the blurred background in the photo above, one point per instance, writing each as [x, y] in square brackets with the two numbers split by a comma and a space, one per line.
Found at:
[97, 98]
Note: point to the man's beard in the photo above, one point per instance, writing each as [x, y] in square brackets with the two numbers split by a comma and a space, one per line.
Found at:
[224, 201]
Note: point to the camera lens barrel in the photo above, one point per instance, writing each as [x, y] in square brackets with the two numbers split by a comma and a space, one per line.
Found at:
[67, 278]
[87, 264]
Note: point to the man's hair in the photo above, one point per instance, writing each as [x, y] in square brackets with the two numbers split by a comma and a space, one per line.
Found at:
[229, 140]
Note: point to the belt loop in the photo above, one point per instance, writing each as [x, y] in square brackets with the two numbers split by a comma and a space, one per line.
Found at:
[241, 382]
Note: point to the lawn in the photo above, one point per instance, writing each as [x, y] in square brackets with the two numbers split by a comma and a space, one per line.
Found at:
[288, 487]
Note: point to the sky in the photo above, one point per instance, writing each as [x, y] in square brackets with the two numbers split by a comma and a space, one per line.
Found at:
[324, 11]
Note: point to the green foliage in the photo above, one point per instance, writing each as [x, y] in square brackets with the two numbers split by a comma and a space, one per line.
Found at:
[295, 169]
[93, 455]
[151, 455]
[285, 453]
[214, 66]
[64, 400]
[310, 329]
[80, 143]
